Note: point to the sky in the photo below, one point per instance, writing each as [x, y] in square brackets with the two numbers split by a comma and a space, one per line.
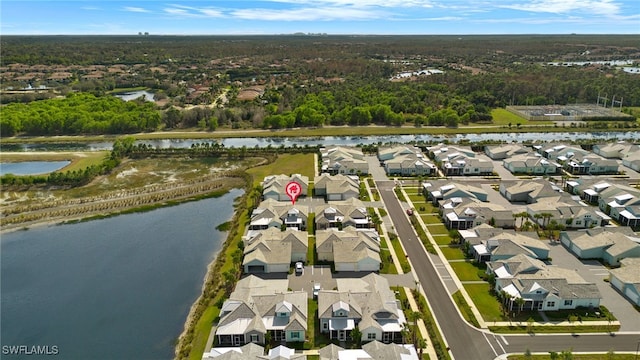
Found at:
[245, 17]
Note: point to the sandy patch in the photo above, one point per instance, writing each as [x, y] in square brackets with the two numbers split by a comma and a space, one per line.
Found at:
[126, 173]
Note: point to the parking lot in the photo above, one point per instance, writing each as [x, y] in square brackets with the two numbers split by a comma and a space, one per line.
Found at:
[311, 275]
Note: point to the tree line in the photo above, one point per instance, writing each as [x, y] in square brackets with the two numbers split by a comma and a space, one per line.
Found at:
[79, 113]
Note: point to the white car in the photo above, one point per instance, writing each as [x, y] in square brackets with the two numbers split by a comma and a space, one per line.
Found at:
[316, 290]
[299, 267]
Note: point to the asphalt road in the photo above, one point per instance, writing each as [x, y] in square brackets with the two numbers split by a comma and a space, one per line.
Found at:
[466, 342]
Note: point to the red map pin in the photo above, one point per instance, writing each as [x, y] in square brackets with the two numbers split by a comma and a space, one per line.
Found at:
[293, 190]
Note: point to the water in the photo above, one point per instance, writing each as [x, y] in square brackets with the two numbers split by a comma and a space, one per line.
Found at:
[128, 96]
[31, 167]
[251, 142]
[117, 288]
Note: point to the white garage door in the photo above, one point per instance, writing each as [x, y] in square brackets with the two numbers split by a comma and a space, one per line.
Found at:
[631, 295]
[616, 283]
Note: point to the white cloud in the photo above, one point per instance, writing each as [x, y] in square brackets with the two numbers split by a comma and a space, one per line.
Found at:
[190, 11]
[307, 14]
[360, 3]
[135, 9]
[596, 7]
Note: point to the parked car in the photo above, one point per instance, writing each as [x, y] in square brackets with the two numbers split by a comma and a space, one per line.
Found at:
[316, 290]
[299, 268]
[409, 212]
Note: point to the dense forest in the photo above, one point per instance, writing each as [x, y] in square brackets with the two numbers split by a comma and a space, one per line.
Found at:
[299, 80]
[79, 114]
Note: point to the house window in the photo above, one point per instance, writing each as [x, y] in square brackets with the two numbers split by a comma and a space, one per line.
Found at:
[578, 222]
[551, 303]
[371, 336]
[283, 314]
[254, 338]
[568, 302]
[325, 326]
[295, 335]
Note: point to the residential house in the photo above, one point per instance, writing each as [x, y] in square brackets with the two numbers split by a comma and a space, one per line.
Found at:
[566, 212]
[461, 214]
[630, 216]
[273, 213]
[540, 286]
[367, 303]
[441, 151]
[340, 214]
[460, 162]
[508, 244]
[588, 190]
[617, 150]
[616, 198]
[528, 191]
[252, 351]
[388, 153]
[626, 279]
[272, 250]
[504, 151]
[590, 164]
[437, 191]
[610, 244]
[273, 186]
[370, 350]
[257, 307]
[343, 160]
[560, 152]
[405, 161]
[530, 164]
[349, 249]
[632, 161]
[336, 187]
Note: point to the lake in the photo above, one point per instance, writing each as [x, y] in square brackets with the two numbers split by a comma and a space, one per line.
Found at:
[117, 288]
[251, 142]
[32, 167]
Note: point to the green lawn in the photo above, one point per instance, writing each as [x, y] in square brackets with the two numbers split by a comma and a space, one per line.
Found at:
[442, 239]
[487, 304]
[311, 251]
[438, 229]
[504, 117]
[385, 255]
[285, 164]
[465, 309]
[466, 271]
[431, 219]
[202, 330]
[417, 200]
[427, 208]
[452, 253]
[397, 247]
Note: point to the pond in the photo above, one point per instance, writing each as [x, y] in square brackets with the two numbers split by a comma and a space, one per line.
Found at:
[31, 167]
[116, 288]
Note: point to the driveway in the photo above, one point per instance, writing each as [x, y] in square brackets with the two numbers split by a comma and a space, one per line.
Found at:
[312, 274]
[375, 169]
[594, 271]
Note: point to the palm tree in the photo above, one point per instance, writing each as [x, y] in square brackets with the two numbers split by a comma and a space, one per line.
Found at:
[422, 344]
[356, 336]
[413, 317]
[520, 302]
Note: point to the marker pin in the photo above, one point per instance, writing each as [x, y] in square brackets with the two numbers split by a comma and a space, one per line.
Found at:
[293, 190]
